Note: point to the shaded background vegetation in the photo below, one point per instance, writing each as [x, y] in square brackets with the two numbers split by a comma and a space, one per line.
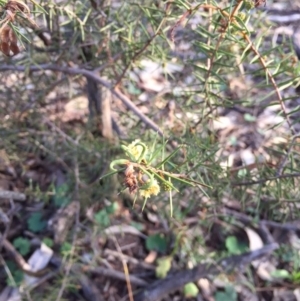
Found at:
[216, 77]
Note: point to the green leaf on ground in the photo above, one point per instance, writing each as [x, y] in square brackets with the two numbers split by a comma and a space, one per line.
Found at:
[22, 245]
[156, 242]
[17, 279]
[163, 266]
[138, 226]
[295, 277]
[190, 290]
[16, 273]
[65, 249]
[102, 218]
[283, 274]
[228, 295]
[62, 197]
[233, 246]
[36, 222]
[111, 209]
[48, 242]
[250, 118]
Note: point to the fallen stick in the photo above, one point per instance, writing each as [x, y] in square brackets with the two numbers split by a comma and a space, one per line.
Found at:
[17, 196]
[175, 281]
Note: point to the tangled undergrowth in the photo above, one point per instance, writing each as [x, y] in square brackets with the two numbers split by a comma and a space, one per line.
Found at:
[201, 98]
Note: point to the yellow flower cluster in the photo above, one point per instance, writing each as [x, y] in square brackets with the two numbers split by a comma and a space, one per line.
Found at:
[153, 189]
[135, 150]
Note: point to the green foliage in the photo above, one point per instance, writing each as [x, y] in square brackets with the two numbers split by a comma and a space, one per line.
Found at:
[156, 242]
[150, 163]
[36, 223]
[138, 226]
[111, 209]
[234, 247]
[228, 295]
[102, 217]
[65, 249]
[22, 245]
[284, 274]
[62, 196]
[48, 242]
[295, 277]
[250, 118]
[163, 266]
[191, 290]
[225, 47]
[15, 276]
[38, 193]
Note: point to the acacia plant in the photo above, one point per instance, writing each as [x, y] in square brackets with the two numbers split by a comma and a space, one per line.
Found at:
[189, 107]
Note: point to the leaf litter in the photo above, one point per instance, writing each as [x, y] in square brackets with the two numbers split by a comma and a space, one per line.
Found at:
[245, 135]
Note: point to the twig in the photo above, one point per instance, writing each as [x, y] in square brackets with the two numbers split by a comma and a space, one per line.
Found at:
[93, 75]
[222, 36]
[13, 195]
[7, 222]
[270, 76]
[140, 51]
[248, 220]
[129, 259]
[117, 275]
[135, 56]
[210, 60]
[72, 253]
[106, 272]
[20, 261]
[231, 17]
[125, 268]
[249, 183]
[284, 160]
[90, 291]
[173, 282]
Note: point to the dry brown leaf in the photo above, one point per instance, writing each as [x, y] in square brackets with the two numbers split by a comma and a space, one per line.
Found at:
[151, 257]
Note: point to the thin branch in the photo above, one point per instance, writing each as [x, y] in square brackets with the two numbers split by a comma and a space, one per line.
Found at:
[249, 220]
[231, 19]
[146, 45]
[135, 56]
[284, 176]
[116, 275]
[270, 76]
[284, 160]
[110, 273]
[20, 261]
[94, 76]
[14, 195]
[68, 267]
[125, 268]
